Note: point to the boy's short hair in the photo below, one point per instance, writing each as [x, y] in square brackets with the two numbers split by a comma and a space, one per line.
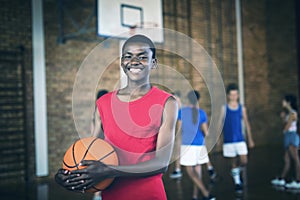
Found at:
[141, 39]
[231, 86]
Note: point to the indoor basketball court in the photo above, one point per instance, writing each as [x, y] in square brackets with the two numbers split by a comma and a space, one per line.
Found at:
[56, 55]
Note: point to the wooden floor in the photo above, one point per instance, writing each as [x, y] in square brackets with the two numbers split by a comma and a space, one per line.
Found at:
[264, 164]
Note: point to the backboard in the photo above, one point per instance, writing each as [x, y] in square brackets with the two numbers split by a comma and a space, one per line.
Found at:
[124, 18]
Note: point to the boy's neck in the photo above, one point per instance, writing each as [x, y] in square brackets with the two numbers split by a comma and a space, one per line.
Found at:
[138, 89]
[233, 103]
[130, 93]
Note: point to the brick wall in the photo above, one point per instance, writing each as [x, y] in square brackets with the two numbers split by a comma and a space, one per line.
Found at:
[270, 67]
[270, 62]
[16, 34]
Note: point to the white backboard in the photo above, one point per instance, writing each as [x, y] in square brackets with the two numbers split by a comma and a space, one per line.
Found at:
[124, 18]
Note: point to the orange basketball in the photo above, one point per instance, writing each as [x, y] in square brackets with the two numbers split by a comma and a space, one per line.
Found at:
[91, 148]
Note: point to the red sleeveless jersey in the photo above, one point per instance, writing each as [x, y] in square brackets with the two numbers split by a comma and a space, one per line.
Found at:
[132, 128]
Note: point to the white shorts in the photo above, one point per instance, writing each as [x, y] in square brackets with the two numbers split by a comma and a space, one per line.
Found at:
[234, 149]
[191, 155]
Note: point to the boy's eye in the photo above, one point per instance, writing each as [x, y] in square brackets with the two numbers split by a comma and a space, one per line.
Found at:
[143, 58]
[139, 58]
[127, 57]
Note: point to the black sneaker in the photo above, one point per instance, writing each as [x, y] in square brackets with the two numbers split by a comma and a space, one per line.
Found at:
[210, 197]
[238, 188]
[176, 174]
[212, 174]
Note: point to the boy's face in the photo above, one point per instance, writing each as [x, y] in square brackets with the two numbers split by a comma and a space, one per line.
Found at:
[233, 95]
[137, 61]
[284, 103]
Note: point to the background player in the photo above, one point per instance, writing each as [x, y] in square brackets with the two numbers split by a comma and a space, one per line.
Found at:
[291, 143]
[193, 123]
[234, 146]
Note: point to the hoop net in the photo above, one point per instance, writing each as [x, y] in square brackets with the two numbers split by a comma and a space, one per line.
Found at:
[141, 28]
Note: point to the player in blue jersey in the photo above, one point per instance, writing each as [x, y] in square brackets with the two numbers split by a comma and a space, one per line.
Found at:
[193, 123]
[234, 146]
[176, 174]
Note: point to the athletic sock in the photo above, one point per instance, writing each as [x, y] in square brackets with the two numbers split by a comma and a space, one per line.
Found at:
[177, 170]
[235, 172]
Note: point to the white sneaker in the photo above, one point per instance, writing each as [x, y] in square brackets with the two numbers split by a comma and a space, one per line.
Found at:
[293, 185]
[278, 182]
[176, 174]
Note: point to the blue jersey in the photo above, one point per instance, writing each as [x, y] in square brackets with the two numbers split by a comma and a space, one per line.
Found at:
[233, 125]
[192, 133]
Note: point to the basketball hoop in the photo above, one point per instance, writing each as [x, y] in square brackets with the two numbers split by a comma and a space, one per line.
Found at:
[139, 28]
[130, 18]
[132, 30]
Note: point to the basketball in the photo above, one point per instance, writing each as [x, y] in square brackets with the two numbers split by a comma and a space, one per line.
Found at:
[90, 148]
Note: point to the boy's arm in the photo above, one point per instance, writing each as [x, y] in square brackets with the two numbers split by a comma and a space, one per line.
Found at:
[221, 123]
[178, 139]
[204, 128]
[96, 171]
[97, 128]
[292, 117]
[248, 127]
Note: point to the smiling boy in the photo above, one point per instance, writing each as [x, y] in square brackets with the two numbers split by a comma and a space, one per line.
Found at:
[139, 121]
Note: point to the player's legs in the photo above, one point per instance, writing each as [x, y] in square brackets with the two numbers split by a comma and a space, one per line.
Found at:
[294, 155]
[231, 151]
[292, 144]
[195, 191]
[211, 171]
[196, 180]
[177, 164]
[243, 168]
[243, 160]
[177, 168]
[242, 151]
[192, 157]
[233, 162]
[280, 181]
[197, 169]
[287, 163]
[235, 171]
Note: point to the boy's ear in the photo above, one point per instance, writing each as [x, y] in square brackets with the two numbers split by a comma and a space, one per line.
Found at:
[154, 63]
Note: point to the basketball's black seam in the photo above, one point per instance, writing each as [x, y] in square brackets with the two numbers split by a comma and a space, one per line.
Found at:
[87, 150]
[69, 166]
[73, 153]
[96, 188]
[106, 155]
[74, 158]
[76, 165]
